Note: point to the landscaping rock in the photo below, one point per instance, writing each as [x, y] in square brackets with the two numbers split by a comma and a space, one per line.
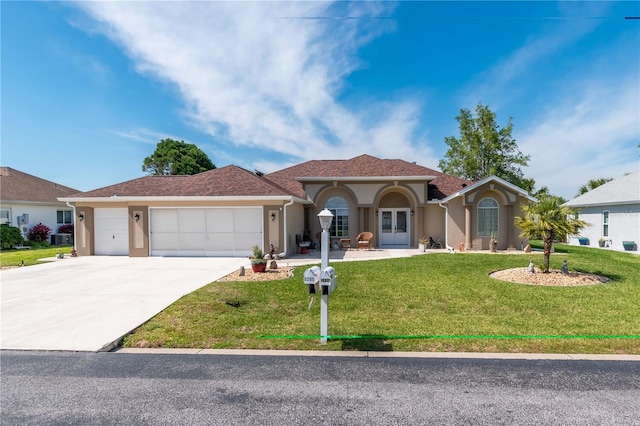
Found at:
[553, 278]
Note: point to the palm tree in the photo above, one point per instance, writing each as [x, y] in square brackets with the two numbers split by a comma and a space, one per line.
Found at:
[592, 184]
[548, 219]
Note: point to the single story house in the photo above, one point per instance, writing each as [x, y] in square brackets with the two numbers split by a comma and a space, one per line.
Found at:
[26, 200]
[226, 211]
[613, 213]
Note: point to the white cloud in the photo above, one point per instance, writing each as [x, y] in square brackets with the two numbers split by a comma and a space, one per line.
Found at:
[142, 135]
[504, 81]
[578, 114]
[266, 75]
[592, 133]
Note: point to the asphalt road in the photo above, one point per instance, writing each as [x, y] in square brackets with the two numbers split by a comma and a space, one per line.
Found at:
[109, 388]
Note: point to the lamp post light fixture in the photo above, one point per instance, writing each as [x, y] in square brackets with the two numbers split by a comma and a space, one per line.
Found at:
[325, 217]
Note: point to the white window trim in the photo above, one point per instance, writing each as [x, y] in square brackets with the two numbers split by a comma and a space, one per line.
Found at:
[335, 211]
[8, 216]
[606, 225]
[497, 208]
[63, 217]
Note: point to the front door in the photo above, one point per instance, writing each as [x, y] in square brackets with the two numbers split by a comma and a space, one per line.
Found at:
[394, 227]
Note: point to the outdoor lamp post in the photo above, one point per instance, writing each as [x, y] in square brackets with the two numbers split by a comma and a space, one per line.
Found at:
[325, 217]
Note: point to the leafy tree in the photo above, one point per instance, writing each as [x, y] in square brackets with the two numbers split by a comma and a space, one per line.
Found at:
[530, 186]
[484, 149]
[548, 219]
[592, 184]
[10, 236]
[173, 157]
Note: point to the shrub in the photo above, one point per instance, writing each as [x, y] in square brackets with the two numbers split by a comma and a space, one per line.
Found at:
[39, 233]
[66, 229]
[10, 236]
[40, 245]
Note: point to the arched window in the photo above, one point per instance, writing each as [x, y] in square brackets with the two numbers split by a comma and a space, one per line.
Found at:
[487, 217]
[340, 209]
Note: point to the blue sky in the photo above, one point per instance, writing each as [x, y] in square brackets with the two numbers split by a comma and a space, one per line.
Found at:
[89, 88]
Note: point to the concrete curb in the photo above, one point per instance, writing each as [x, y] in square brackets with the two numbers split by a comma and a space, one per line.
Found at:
[368, 354]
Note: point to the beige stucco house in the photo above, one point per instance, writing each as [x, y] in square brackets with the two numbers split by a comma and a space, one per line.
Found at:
[225, 211]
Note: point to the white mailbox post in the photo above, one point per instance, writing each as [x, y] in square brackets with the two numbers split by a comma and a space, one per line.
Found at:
[325, 217]
[328, 283]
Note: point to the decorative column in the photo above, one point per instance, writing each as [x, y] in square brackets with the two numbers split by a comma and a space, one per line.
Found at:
[509, 236]
[467, 227]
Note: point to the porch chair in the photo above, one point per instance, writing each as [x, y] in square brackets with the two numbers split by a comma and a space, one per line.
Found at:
[302, 245]
[434, 244]
[364, 240]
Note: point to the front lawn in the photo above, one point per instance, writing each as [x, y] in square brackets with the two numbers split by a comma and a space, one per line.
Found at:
[435, 302]
[30, 256]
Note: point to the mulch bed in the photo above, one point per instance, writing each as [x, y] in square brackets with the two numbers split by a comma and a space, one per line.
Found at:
[268, 275]
[553, 278]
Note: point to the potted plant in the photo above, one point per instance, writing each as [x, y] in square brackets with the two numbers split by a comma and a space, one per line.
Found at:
[583, 241]
[258, 262]
[493, 242]
[422, 244]
[601, 241]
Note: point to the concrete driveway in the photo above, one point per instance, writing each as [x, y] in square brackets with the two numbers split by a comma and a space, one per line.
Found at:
[88, 303]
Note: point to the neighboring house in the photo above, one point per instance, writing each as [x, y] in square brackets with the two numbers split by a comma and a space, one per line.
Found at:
[225, 211]
[26, 200]
[613, 213]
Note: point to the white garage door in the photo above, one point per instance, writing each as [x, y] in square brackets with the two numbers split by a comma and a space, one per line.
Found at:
[205, 231]
[111, 230]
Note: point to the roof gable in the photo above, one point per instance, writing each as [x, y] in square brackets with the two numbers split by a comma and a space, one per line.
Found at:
[477, 184]
[17, 186]
[365, 166]
[624, 190]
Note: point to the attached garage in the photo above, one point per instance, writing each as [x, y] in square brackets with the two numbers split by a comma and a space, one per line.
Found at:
[205, 231]
[111, 231]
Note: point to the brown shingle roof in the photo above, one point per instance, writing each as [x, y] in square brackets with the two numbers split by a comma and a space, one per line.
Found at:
[226, 181]
[19, 186]
[367, 166]
[236, 181]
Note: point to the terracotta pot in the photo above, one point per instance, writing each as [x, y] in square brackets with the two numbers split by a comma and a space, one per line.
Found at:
[258, 265]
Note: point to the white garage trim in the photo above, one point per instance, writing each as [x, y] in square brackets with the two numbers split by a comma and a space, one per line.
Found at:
[111, 230]
[205, 231]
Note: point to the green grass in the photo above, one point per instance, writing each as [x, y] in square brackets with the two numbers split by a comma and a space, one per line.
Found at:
[431, 295]
[30, 256]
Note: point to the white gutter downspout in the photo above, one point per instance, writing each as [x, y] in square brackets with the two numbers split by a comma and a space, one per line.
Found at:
[74, 224]
[284, 214]
[446, 225]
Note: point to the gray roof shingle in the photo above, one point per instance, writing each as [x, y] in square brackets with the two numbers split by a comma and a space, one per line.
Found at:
[624, 190]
